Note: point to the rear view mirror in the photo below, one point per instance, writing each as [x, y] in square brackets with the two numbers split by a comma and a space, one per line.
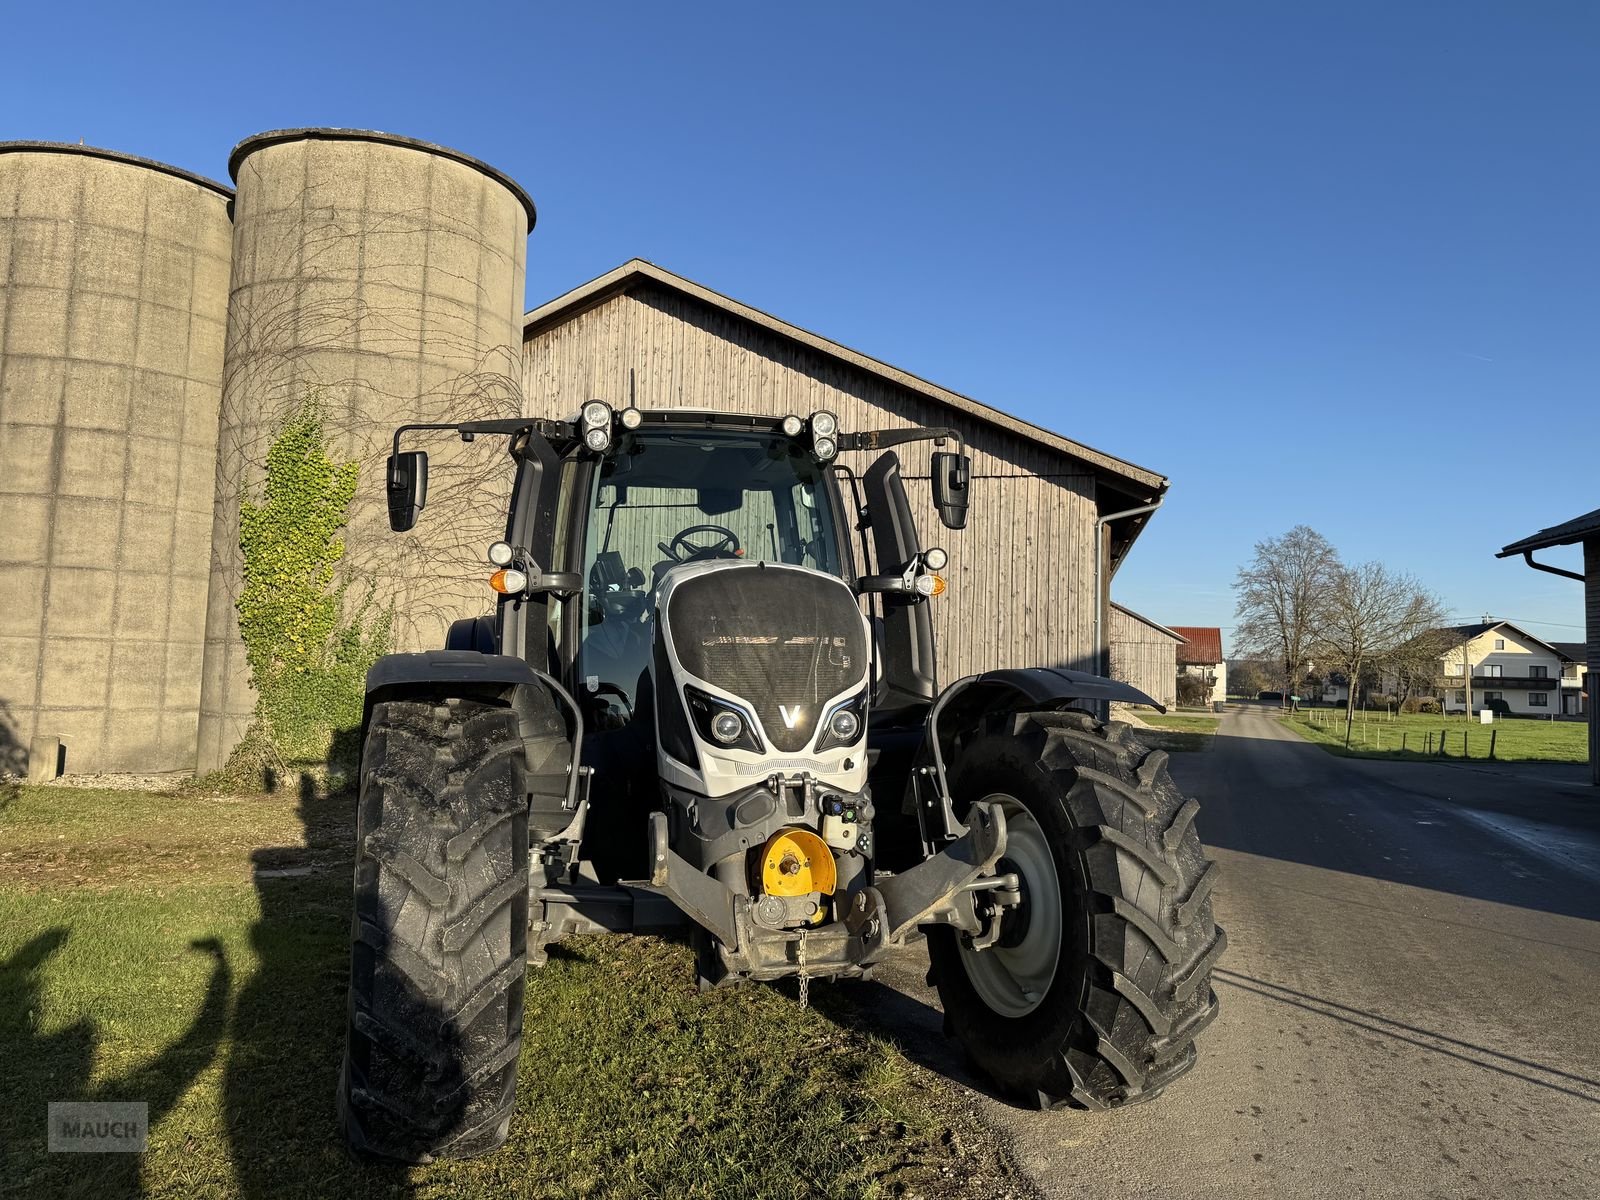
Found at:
[408, 488]
[951, 475]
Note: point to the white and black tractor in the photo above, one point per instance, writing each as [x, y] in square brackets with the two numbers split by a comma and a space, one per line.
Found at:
[706, 701]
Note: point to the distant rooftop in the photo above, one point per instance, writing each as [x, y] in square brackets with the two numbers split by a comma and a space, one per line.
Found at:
[1204, 644]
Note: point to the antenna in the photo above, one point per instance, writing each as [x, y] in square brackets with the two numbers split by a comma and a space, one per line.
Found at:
[633, 397]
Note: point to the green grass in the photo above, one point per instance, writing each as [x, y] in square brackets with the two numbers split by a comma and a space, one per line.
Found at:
[1179, 731]
[141, 958]
[1380, 737]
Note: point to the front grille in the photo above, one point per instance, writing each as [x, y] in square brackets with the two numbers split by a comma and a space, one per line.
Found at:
[784, 640]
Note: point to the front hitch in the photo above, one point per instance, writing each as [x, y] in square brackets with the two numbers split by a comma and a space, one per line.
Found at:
[940, 889]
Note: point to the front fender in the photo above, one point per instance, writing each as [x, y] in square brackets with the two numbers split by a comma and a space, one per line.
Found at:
[1048, 686]
[547, 712]
[966, 702]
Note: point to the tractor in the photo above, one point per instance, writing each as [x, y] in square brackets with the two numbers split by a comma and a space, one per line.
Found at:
[706, 704]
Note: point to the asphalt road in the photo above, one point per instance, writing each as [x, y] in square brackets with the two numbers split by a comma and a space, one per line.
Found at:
[1411, 993]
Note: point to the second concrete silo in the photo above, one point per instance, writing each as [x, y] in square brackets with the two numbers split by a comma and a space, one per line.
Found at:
[113, 297]
[385, 276]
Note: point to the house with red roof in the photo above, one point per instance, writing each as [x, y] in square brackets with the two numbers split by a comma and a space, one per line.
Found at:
[1200, 654]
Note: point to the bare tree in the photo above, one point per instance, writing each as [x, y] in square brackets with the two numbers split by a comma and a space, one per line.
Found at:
[1283, 595]
[1371, 612]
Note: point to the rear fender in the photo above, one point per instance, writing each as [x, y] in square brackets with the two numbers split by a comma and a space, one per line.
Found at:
[966, 702]
[546, 711]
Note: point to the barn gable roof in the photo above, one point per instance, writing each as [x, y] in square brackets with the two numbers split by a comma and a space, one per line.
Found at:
[1144, 620]
[1137, 481]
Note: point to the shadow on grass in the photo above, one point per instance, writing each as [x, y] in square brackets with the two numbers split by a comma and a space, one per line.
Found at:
[58, 1066]
[916, 1028]
[281, 1080]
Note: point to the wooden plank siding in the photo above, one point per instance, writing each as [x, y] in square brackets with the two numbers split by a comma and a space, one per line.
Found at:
[1144, 656]
[1020, 574]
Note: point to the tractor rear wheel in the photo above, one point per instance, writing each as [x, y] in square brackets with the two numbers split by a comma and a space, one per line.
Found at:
[440, 935]
[1101, 977]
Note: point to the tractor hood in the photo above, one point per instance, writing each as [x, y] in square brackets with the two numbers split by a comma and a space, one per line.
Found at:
[783, 648]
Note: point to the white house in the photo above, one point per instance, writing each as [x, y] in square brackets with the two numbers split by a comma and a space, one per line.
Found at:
[1574, 678]
[1507, 664]
[1200, 654]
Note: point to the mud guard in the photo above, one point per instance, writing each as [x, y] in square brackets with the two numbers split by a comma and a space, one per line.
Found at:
[542, 705]
[966, 701]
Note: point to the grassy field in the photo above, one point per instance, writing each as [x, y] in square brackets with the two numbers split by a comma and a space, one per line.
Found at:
[191, 952]
[1407, 737]
[1179, 731]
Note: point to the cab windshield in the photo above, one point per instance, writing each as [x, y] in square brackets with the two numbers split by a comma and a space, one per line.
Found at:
[669, 496]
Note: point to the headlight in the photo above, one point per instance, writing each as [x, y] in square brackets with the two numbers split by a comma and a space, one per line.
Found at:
[722, 722]
[597, 439]
[597, 414]
[845, 725]
[842, 724]
[631, 417]
[726, 726]
[936, 559]
[792, 426]
[824, 448]
[824, 424]
[500, 554]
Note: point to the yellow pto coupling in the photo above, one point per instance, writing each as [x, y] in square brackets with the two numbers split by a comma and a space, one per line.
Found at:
[796, 862]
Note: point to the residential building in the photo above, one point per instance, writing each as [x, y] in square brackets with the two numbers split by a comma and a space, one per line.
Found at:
[1574, 678]
[1201, 655]
[1507, 664]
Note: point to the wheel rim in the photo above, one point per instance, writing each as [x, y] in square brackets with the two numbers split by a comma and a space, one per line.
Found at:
[1013, 980]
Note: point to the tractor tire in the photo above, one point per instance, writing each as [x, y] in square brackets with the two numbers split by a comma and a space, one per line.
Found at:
[439, 942]
[1102, 976]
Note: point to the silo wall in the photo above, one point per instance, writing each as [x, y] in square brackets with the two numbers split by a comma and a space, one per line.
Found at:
[385, 277]
[113, 297]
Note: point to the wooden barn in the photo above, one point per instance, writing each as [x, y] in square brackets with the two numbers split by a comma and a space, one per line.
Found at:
[1027, 587]
[1145, 654]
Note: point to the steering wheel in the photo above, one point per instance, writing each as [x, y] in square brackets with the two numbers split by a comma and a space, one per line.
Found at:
[727, 544]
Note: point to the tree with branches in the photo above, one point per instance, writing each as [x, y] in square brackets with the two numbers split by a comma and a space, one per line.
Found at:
[1282, 599]
[1372, 612]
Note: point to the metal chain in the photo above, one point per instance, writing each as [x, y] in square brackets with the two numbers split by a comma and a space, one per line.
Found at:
[805, 980]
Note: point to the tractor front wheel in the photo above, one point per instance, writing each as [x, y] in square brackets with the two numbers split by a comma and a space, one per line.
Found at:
[1100, 978]
[440, 937]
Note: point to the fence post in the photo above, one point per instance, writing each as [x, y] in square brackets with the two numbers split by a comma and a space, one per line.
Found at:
[1493, 734]
[1402, 741]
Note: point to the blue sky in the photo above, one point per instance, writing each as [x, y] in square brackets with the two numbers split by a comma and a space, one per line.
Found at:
[1332, 263]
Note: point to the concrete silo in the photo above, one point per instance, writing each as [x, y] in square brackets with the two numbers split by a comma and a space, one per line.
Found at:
[113, 299]
[385, 276]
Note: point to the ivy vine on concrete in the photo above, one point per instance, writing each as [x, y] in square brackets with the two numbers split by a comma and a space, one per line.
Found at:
[307, 642]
